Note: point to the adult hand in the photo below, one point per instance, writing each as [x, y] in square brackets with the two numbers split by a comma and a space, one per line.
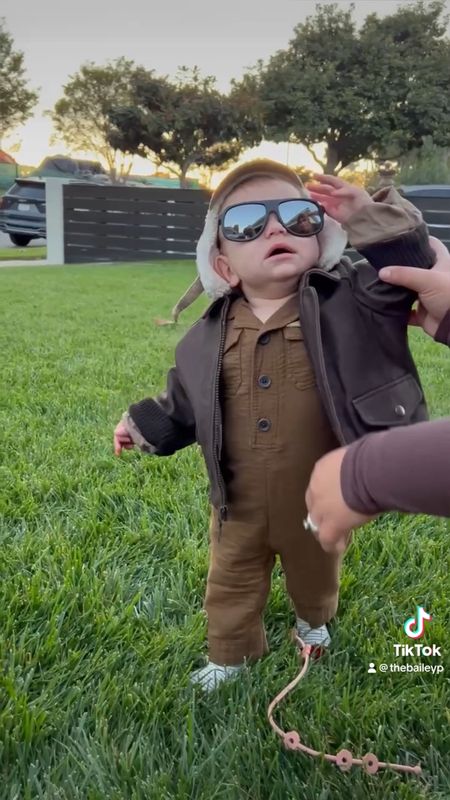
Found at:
[327, 507]
[339, 198]
[432, 286]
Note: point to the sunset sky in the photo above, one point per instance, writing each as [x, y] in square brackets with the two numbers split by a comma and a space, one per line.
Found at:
[222, 39]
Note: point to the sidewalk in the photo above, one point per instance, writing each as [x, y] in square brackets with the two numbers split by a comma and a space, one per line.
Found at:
[38, 262]
[41, 262]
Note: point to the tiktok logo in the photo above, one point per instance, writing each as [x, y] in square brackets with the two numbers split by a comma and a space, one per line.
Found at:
[414, 627]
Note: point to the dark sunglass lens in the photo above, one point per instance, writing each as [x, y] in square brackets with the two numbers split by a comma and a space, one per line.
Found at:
[245, 222]
[300, 217]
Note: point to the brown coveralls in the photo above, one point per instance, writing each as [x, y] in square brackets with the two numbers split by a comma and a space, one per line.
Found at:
[274, 430]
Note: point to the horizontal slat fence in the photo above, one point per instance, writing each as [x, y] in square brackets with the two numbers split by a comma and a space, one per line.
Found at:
[131, 223]
[436, 213]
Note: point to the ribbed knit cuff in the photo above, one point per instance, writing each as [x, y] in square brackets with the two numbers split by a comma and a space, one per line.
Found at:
[442, 334]
[410, 250]
[155, 426]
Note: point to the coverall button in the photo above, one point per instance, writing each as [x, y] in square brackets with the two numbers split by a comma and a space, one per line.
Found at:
[264, 424]
[264, 338]
[400, 410]
[264, 381]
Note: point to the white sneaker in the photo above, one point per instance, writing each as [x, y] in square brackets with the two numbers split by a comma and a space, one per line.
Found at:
[211, 675]
[318, 638]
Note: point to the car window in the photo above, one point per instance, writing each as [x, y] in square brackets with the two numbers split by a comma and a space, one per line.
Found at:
[32, 192]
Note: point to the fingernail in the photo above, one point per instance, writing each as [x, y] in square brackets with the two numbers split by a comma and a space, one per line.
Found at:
[385, 272]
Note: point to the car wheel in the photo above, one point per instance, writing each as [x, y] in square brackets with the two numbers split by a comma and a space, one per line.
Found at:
[20, 239]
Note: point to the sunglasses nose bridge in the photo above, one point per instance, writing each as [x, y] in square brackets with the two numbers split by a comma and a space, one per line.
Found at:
[273, 223]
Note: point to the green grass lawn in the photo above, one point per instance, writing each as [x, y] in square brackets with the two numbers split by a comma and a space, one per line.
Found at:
[102, 575]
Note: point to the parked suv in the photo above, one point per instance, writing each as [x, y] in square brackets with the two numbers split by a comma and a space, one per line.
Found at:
[22, 211]
[426, 190]
[22, 208]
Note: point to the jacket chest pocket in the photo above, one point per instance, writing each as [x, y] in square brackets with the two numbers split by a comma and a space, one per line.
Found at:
[231, 374]
[393, 404]
[298, 367]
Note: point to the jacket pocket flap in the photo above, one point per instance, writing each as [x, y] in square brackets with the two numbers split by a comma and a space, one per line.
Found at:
[392, 404]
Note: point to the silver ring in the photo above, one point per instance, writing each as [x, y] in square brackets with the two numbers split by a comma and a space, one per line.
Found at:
[309, 525]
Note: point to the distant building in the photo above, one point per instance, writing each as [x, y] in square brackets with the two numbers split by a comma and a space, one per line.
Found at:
[8, 171]
[65, 167]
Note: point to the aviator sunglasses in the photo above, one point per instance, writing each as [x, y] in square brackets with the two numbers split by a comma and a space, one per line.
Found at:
[244, 222]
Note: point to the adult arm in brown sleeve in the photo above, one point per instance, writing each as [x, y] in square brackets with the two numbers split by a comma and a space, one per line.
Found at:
[403, 469]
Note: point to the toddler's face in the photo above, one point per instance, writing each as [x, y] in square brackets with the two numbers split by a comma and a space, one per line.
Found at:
[253, 264]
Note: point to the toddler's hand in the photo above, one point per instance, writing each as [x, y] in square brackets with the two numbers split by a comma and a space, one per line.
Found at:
[340, 199]
[122, 439]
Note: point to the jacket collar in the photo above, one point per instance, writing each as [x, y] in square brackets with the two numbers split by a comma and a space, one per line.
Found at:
[334, 275]
[221, 302]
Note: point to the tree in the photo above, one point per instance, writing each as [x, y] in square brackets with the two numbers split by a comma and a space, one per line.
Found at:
[428, 164]
[81, 115]
[411, 87]
[376, 91]
[182, 124]
[16, 100]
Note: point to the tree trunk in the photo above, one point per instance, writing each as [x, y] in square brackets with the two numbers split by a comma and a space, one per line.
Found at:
[124, 173]
[333, 163]
[183, 172]
[313, 155]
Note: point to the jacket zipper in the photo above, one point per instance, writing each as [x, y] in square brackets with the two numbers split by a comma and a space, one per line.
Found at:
[328, 398]
[223, 509]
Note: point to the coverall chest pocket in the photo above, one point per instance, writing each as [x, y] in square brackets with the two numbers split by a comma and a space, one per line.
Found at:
[231, 376]
[298, 367]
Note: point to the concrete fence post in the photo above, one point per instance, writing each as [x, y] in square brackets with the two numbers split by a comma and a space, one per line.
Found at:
[55, 220]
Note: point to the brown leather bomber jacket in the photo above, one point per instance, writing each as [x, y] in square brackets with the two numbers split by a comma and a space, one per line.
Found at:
[355, 331]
